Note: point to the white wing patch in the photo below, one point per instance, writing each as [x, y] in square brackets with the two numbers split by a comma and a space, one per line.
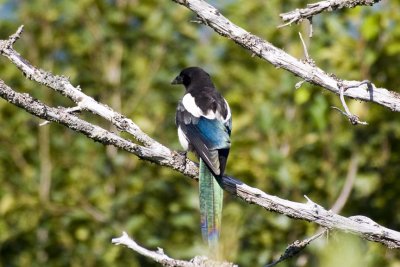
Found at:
[219, 116]
[190, 105]
[182, 139]
[228, 115]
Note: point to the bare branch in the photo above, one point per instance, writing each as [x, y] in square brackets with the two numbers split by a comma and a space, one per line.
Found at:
[307, 56]
[296, 247]
[280, 59]
[314, 213]
[64, 117]
[311, 28]
[311, 10]
[14, 37]
[160, 257]
[69, 110]
[354, 119]
[163, 156]
[299, 245]
[62, 85]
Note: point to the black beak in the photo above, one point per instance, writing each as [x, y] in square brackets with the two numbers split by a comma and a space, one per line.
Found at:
[177, 80]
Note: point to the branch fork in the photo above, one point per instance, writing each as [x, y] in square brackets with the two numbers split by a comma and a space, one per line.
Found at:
[300, 14]
[354, 119]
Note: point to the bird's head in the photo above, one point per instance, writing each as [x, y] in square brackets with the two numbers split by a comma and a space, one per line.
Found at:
[192, 75]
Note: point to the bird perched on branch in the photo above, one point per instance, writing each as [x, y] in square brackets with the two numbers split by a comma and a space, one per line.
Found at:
[203, 118]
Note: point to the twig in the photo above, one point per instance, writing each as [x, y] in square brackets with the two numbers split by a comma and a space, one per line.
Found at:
[311, 10]
[299, 84]
[308, 59]
[311, 31]
[69, 110]
[354, 119]
[14, 37]
[296, 247]
[304, 46]
[348, 184]
[286, 24]
[160, 257]
[281, 59]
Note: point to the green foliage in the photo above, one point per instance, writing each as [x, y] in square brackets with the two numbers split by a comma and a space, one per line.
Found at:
[287, 142]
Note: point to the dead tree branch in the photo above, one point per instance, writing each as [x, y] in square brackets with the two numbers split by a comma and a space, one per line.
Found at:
[296, 247]
[160, 257]
[62, 85]
[211, 17]
[298, 15]
[64, 117]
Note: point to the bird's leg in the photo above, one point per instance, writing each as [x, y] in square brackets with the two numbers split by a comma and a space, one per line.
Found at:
[183, 153]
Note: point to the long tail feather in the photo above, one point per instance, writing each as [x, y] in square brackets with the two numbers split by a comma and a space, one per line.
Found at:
[211, 197]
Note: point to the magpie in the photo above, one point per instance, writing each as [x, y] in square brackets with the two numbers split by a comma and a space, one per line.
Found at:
[204, 123]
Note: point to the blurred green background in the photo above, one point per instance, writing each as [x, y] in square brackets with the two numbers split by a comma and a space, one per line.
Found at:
[63, 196]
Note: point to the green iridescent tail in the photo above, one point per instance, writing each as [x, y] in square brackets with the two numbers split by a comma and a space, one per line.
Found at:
[211, 197]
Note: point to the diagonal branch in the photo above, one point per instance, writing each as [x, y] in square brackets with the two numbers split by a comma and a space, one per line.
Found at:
[298, 15]
[160, 154]
[62, 85]
[64, 117]
[348, 184]
[211, 17]
[160, 257]
[296, 247]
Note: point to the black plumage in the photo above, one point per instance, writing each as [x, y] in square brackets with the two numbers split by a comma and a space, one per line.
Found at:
[204, 119]
[204, 125]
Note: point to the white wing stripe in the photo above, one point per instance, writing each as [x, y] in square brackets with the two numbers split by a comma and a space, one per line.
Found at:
[228, 115]
[182, 139]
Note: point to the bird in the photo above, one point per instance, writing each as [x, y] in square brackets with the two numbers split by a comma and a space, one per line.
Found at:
[204, 123]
